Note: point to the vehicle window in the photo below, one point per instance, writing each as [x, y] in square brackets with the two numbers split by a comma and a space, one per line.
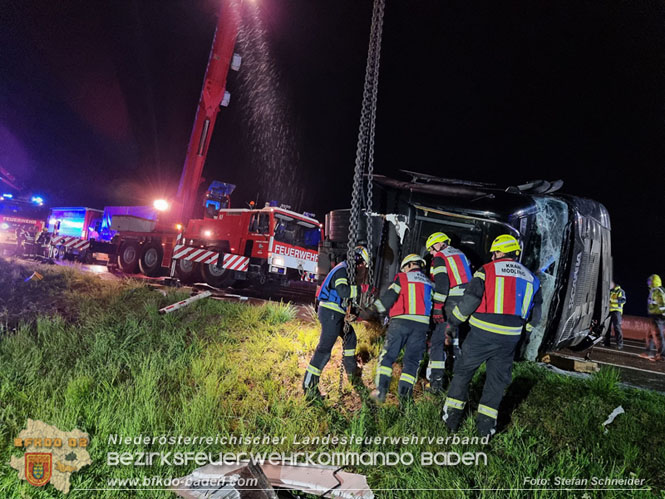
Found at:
[260, 223]
[296, 232]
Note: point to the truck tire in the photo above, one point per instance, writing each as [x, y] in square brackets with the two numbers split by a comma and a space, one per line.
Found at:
[187, 271]
[216, 276]
[150, 262]
[128, 257]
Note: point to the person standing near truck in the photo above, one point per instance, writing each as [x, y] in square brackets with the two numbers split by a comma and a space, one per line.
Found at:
[451, 272]
[332, 295]
[502, 298]
[617, 301]
[408, 301]
[656, 311]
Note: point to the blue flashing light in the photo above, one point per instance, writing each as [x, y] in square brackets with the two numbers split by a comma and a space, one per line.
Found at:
[37, 200]
[8, 196]
[273, 204]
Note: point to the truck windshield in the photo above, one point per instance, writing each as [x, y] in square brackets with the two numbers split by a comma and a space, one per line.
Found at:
[296, 232]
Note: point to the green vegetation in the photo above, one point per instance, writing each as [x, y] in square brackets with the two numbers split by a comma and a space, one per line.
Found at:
[78, 352]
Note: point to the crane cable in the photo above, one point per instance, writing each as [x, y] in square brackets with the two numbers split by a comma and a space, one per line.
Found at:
[361, 195]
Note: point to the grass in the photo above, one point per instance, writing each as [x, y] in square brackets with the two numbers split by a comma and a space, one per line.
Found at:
[77, 352]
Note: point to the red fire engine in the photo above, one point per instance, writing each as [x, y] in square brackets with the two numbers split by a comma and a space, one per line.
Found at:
[272, 243]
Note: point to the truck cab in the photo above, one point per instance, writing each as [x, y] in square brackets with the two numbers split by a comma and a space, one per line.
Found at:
[20, 220]
[565, 241]
[268, 244]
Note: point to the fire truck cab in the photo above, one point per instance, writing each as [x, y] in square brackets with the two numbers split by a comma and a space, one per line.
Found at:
[20, 221]
[272, 243]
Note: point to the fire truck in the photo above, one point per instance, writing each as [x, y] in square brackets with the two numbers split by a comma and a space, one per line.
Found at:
[20, 220]
[260, 245]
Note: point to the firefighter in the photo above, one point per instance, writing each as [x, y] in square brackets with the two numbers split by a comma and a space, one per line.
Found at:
[408, 302]
[656, 311]
[451, 272]
[500, 298]
[617, 301]
[332, 294]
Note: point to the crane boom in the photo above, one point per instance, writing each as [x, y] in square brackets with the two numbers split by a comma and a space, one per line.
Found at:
[212, 93]
[8, 179]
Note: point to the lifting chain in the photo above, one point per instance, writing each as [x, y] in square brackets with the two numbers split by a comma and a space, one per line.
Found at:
[365, 146]
[361, 196]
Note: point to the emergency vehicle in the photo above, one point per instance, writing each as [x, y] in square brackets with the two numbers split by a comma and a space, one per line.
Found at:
[19, 220]
[268, 244]
[71, 230]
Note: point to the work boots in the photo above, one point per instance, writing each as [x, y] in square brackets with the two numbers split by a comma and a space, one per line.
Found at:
[310, 386]
[436, 385]
[405, 394]
[379, 394]
[452, 418]
[485, 425]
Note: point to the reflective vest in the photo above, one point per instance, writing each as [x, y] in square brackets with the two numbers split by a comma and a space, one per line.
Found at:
[415, 297]
[509, 289]
[656, 301]
[457, 266]
[328, 294]
[617, 299]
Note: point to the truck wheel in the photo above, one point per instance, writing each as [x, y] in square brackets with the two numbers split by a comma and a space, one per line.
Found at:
[151, 259]
[187, 270]
[128, 257]
[217, 276]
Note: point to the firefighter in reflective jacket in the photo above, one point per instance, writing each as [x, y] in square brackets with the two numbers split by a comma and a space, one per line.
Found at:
[408, 302]
[617, 301]
[451, 272]
[501, 299]
[334, 290]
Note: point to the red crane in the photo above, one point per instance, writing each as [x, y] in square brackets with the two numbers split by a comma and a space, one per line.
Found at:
[135, 246]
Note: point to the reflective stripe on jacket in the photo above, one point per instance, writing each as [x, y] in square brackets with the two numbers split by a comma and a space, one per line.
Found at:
[509, 289]
[457, 266]
[408, 297]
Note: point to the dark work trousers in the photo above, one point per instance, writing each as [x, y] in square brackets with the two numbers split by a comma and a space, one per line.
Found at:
[497, 351]
[437, 350]
[332, 327]
[407, 334]
[659, 322]
[615, 322]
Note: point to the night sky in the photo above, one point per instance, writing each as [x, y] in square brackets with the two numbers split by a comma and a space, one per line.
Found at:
[97, 100]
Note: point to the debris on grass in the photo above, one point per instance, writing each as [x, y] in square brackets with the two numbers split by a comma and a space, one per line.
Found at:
[35, 275]
[612, 417]
[183, 303]
[322, 481]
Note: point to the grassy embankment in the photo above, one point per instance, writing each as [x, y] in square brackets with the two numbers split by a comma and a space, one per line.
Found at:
[77, 352]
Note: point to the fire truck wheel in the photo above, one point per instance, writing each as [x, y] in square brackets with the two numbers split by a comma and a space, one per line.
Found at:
[217, 276]
[187, 271]
[151, 259]
[128, 257]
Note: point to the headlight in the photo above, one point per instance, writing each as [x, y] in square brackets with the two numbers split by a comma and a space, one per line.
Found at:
[278, 261]
[4, 226]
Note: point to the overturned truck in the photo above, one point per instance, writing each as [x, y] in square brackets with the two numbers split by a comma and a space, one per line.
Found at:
[565, 241]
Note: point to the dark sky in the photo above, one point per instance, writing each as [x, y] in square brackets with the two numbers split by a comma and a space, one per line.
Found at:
[97, 99]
